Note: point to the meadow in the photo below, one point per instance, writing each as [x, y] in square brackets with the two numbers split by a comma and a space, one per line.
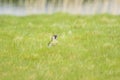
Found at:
[88, 47]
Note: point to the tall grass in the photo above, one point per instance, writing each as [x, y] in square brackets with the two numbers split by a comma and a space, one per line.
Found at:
[88, 47]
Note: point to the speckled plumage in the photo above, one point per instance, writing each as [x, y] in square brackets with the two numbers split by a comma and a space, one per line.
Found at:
[53, 41]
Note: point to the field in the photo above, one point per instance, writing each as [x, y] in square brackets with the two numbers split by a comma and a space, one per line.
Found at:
[88, 47]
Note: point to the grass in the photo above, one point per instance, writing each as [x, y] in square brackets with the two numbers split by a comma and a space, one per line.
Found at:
[88, 47]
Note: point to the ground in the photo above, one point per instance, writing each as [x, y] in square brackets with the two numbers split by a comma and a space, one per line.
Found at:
[88, 47]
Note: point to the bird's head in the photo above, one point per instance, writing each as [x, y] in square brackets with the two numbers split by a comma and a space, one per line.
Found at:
[54, 37]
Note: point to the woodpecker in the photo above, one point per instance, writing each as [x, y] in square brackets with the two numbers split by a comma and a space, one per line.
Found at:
[53, 41]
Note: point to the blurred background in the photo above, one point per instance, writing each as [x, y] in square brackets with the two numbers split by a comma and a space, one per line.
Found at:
[27, 7]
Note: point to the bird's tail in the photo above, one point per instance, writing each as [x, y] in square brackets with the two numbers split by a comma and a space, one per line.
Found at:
[49, 44]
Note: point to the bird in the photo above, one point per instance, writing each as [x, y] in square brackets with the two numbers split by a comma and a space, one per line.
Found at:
[53, 41]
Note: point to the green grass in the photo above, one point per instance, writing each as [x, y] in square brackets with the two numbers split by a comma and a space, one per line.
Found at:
[88, 47]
